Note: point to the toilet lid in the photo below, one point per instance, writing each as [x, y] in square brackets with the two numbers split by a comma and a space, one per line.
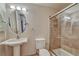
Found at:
[44, 52]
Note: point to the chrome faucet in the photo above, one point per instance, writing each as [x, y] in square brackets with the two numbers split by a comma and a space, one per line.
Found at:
[18, 37]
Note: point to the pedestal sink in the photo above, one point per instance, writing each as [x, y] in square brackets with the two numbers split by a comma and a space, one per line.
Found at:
[15, 43]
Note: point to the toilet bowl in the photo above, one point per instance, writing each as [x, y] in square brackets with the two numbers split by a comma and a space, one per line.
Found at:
[43, 52]
[40, 45]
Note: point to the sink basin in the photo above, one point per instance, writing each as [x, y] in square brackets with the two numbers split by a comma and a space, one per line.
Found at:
[14, 41]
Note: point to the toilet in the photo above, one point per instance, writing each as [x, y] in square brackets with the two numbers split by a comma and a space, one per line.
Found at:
[40, 46]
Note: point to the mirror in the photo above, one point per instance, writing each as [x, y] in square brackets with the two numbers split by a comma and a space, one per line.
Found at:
[3, 24]
[17, 21]
[2, 20]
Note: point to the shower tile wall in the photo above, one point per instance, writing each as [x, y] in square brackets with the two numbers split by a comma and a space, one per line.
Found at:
[70, 41]
[70, 36]
[54, 34]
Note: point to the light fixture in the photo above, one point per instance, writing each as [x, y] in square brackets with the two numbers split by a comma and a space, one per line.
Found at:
[18, 8]
[66, 17]
[24, 9]
[12, 7]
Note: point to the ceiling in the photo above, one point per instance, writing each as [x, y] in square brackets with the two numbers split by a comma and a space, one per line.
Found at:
[55, 6]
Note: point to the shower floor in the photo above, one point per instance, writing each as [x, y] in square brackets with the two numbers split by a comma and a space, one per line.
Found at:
[61, 52]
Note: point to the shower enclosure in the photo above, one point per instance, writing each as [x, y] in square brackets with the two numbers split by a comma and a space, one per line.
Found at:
[64, 32]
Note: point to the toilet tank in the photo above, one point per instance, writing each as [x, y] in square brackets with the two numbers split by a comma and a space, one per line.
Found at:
[40, 43]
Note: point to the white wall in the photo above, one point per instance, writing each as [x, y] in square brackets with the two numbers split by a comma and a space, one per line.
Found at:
[38, 18]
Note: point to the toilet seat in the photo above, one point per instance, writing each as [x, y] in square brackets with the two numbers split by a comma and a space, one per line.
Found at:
[43, 52]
